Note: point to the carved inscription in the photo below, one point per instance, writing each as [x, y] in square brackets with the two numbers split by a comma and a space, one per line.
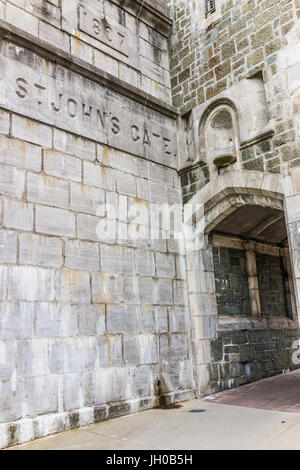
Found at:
[98, 27]
[54, 95]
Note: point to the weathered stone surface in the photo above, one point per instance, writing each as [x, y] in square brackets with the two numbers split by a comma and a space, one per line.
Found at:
[38, 95]
[40, 250]
[90, 321]
[54, 221]
[62, 166]
[18, 215]
[8, 247]
[82, 255]
[73, 286]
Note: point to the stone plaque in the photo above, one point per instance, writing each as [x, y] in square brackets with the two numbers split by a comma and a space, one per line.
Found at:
[97, 26]
[49, 93]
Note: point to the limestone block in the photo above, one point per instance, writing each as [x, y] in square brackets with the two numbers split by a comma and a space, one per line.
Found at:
[164, 292]
[99, 176]
[55, 221]
[8, 358]
[126, 184]
[146, 290]
[209, 325]
[29, 284]
[159, 243]
[110, 350]
[4, 122]
[3, 282]
[180, 290]
[87, 199]
[116, 259]
[62, 165]
[20, 18]
[143, 189]
[140, 349]
[73, 286]
[105, 62]
[202, 352]
[148, 320]
[72, 396]
[144, 262]
[202, 377]
[87, 229]
[40, 250]
[111, 384]
[147, 50]
[123, 319]
[55, 320]
[8, 247]
[294, 232]
[42, 394]
[173, 347]
[75, 354]
[20, 154]
[12, 182]
[54, 36]
[112, 205]
[161, 174]
[176, 381]
[18, 215]
[181, 272]
[74, 145]
[49, 12]
[129, 75]
[82, 255]
[32, 357]
[47, 190]
[16, 320]
[31, 131]
[178, 319]
[91, 320]
[158, 193]
[107, 288]
[10, 401]
[201, 281]
[165, 265]
[131, 290]
[138, 212]
[161, 319]
[202, 304]
[296, 180]
[293, 208]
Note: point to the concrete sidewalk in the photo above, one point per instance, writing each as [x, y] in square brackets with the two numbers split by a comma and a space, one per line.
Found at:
[198, 424]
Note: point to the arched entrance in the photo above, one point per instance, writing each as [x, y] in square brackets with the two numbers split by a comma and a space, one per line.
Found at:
[241, 286]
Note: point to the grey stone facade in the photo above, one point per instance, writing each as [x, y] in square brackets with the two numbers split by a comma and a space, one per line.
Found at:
[110, 113]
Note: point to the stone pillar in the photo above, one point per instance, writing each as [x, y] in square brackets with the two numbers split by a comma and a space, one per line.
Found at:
[252, 277]
[288, 283]
[292, 214]
[203, 312]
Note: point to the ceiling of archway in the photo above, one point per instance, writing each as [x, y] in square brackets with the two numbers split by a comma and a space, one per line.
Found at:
[257, 222]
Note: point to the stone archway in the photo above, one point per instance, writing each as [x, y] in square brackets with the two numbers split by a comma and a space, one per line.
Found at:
[243, 216]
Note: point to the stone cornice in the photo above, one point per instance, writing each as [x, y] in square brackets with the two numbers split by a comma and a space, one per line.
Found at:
[65, 59]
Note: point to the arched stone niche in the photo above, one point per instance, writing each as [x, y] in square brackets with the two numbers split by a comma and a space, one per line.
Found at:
[219, 136]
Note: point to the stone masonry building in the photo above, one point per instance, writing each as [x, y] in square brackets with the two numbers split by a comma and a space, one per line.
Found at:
[150, 204]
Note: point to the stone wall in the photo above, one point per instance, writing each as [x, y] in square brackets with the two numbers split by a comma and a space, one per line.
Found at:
[244, 356]
[93, 310]
[242, 60]
[125, 39]
[243, 43]
[231, 280]
[271, 285]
